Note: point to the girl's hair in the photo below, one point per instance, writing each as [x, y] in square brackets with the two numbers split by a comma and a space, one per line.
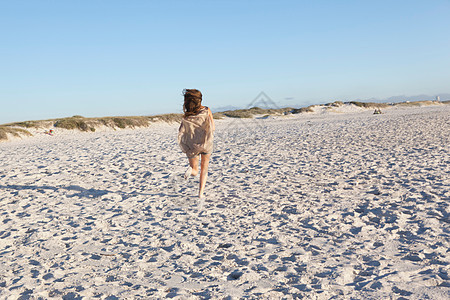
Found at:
[192, 102]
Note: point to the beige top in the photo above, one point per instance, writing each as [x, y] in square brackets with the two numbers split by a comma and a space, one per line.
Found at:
[195, 135]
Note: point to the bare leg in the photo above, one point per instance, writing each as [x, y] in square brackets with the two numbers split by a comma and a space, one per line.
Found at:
[193, 162]
[203, 173]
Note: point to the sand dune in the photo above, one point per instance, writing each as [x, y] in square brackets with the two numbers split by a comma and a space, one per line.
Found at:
[342, 206]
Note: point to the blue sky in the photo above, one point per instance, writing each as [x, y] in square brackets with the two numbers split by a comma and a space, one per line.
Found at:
[105, 58]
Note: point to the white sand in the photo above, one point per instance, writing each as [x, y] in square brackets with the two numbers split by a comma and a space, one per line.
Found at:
[348, 205]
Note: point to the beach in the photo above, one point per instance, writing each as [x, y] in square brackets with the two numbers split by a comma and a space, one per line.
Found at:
[338, 205]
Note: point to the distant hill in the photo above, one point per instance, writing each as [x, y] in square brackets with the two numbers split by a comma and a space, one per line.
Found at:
[225, 108]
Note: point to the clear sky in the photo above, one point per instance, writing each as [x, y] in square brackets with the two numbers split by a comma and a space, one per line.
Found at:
[104, 58]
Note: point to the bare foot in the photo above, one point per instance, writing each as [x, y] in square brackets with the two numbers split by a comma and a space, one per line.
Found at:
[188, 173]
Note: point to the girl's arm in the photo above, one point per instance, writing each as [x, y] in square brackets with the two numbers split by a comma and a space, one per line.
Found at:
[212, 119]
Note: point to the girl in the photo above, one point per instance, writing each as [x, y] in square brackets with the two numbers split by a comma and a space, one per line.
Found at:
[195, 135]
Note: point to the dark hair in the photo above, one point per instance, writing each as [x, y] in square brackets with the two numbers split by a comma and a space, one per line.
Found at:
[192, 102]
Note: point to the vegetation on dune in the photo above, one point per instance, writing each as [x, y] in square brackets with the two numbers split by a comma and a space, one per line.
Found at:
[303, 110]
[250, 112]
[74, 123]
[418, 103]
[123, 122]
[239, 113]
[90, 124]
[16, 132]
[81, 123]
[368, 104]
[218, 115]
[26, 124]
[335, 104]
[169, 118]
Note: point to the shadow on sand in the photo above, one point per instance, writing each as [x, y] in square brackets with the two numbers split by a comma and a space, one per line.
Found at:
[81, 192]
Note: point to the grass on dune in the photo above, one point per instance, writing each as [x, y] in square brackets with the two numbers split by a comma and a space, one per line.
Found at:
[250, 112]
[303, 109]
[75, 123]
[169, 118]
[420, 103]
[16, 132]
[90, 124]
[369, 104]
[84, 124]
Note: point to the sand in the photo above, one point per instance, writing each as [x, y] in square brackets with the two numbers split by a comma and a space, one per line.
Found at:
[325, 205]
